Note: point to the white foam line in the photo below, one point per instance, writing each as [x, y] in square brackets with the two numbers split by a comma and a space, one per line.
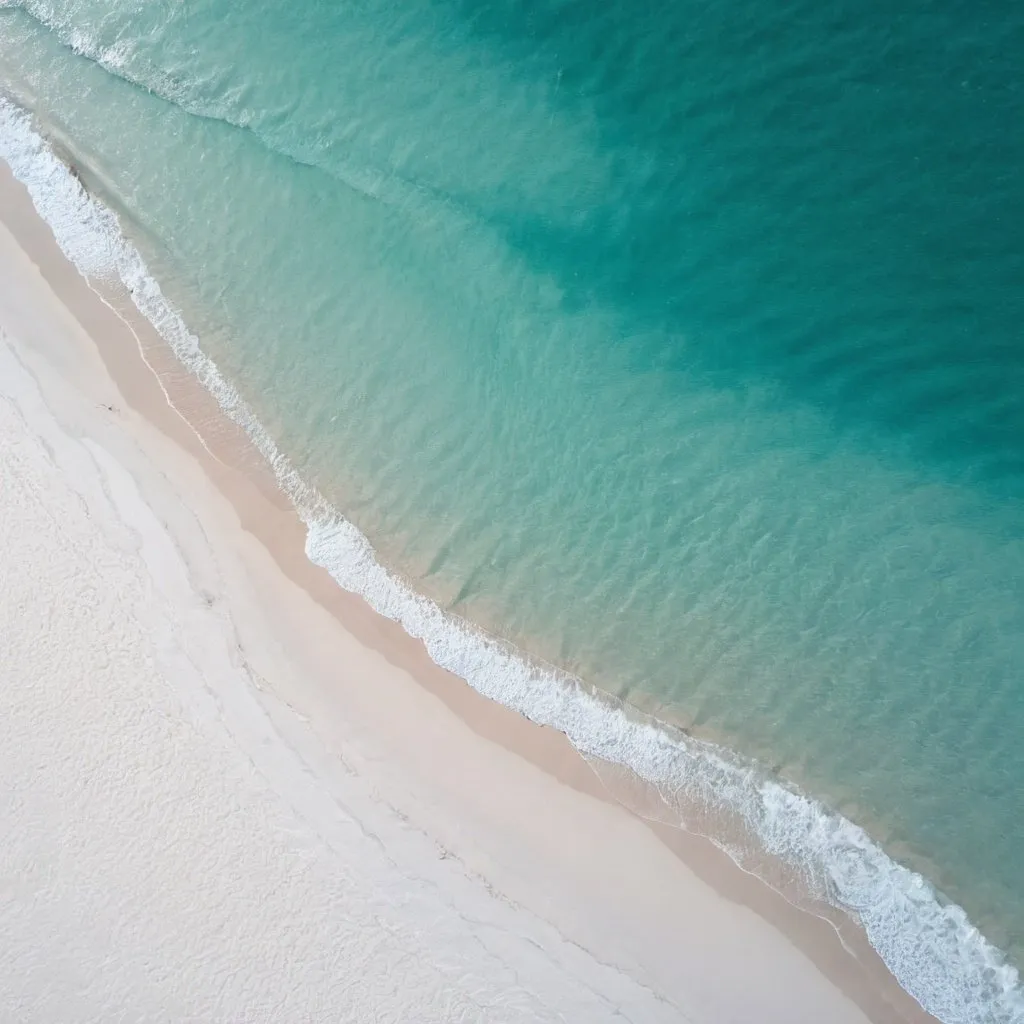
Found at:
[929, 945]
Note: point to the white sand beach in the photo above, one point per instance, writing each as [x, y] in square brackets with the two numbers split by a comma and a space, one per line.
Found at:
[231, 792]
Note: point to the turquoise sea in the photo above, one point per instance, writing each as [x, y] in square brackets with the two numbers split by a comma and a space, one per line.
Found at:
[678, 347]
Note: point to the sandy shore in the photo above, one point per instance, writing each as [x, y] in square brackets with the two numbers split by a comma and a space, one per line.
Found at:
[232, 792]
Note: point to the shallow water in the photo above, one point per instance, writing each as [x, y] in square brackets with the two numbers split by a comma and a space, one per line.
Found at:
[680, 349]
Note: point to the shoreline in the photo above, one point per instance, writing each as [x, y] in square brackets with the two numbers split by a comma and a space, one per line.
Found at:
[227, 460]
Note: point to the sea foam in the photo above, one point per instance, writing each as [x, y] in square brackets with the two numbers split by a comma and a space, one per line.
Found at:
[929, 944]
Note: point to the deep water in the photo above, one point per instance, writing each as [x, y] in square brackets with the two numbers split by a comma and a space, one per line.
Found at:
[681, 346]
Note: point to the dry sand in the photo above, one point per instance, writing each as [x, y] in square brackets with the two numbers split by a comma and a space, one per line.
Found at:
[232, 792]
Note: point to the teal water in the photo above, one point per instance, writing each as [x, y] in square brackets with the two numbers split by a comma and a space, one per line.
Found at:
[681, 347]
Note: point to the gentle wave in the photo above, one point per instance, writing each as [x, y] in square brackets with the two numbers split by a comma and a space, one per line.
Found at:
[375, 182]
[930, 946]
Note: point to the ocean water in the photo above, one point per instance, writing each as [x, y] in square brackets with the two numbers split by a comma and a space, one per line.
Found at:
[678, 349]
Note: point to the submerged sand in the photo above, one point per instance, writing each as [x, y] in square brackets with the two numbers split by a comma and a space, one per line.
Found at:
[231, 792]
